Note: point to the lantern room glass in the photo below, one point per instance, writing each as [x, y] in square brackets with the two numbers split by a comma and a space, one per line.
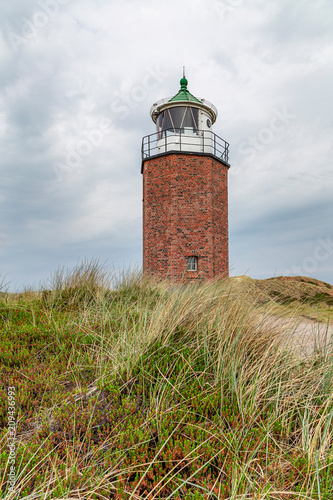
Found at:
[178, 119]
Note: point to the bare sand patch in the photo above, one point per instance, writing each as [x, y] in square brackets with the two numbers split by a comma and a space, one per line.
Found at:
[305, 337]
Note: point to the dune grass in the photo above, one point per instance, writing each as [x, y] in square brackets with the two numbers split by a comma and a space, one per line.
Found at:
[132, 389]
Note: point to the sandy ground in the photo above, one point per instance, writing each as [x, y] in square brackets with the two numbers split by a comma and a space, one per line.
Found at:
[304, 336]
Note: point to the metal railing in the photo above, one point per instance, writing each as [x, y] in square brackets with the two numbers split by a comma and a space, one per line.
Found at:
[183, 140]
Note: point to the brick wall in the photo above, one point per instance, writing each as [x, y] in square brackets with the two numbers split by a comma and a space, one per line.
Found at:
[185, 213]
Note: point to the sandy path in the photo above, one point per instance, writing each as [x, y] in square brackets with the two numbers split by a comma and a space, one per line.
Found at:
[304, 336]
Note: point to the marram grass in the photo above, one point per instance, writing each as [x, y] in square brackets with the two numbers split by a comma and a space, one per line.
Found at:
[132, 389]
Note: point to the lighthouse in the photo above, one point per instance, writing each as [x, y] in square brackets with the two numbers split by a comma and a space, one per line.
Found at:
[185, 191]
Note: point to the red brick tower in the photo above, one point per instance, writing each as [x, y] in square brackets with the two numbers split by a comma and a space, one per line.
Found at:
[185, 191]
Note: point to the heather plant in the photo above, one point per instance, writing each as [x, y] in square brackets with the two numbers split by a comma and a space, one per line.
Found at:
[129, 388]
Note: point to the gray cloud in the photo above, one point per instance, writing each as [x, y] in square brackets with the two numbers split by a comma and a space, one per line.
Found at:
[75, 92]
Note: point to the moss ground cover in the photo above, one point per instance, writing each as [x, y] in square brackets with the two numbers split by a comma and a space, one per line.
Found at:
[147, 391]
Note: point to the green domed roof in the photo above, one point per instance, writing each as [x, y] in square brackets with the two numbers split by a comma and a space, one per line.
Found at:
[184, 94]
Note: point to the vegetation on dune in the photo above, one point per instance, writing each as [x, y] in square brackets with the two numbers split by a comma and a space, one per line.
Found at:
[149, 391]
[310, 297]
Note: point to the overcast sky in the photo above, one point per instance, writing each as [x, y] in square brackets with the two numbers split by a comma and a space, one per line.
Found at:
[77, 81]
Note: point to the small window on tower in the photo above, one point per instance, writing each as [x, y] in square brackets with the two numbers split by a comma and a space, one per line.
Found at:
[192, 263]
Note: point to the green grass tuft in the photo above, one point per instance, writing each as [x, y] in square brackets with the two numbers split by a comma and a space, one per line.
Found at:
[132, 389]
